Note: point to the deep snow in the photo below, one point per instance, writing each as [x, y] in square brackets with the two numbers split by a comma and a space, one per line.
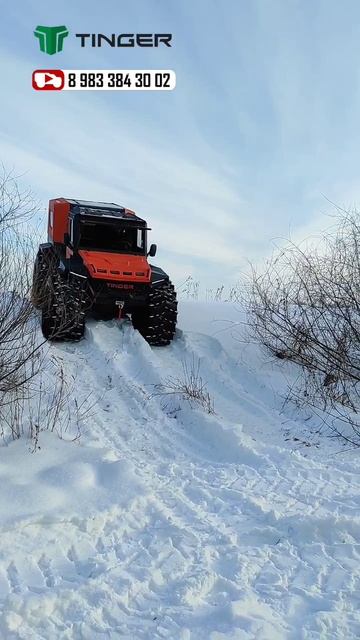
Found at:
[164, 521]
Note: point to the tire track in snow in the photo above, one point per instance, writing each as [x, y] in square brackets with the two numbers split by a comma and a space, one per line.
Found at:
[265, 579]
[214, 531]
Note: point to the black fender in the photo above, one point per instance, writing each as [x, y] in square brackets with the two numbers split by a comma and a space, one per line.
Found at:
[74, 266]
[158, 276]
[46, 247]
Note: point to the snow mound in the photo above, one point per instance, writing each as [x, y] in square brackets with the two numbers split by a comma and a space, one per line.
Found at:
[165, 521]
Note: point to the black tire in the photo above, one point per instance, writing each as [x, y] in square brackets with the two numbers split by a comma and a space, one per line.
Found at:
[44, 267]
[63, 315]
[157, 322]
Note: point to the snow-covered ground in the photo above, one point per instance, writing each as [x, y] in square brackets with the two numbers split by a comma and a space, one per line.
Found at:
[164, 521]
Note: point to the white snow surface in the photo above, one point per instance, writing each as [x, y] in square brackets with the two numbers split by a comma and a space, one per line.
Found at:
[164, 521]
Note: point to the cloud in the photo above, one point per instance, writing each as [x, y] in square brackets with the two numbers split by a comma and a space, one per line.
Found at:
[240, 153]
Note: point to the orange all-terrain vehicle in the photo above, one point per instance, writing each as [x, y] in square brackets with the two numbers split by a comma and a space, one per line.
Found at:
[95, 262]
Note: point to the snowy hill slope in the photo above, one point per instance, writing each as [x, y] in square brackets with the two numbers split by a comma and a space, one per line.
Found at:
[165, 521]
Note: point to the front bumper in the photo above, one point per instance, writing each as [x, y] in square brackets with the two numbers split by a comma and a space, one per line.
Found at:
[107, 293]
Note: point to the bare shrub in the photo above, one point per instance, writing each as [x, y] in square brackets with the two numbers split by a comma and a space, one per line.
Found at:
[34, 393]
[57, 407]
[47, 402]
[18, 344]
[17, 205]
[191, 387]
[305, 308]
[189, 289]
[223, 294]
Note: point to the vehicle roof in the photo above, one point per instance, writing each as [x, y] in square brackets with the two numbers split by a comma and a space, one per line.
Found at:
[106, 209]
[92, 203]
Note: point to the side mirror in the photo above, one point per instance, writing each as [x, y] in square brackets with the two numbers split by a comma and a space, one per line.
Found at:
[152, 250]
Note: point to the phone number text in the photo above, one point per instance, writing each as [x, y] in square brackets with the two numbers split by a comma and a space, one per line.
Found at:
[120, 80]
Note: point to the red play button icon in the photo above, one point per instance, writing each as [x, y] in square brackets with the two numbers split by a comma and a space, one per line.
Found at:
[48, 79]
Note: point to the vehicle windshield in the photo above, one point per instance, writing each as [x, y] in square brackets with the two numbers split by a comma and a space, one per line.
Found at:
[102, 236]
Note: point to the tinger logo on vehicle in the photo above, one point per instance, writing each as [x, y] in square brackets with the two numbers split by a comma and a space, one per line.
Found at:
[51, 39]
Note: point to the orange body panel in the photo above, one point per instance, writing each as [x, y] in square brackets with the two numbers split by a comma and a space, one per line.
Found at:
[58, 219]
[116, 266]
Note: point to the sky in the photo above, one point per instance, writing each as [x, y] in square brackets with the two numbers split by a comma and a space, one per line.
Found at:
[260, 133]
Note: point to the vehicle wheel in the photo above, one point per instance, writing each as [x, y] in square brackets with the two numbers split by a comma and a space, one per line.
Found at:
[45, 264]
[63, 315]
[157, 322]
